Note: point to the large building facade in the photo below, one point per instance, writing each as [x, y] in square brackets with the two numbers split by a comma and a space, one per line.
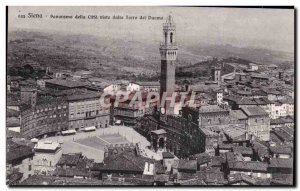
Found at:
[86, 110]
[48, 117]
[53, 114]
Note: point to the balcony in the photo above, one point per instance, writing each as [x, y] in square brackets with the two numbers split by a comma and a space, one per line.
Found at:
[168, 46]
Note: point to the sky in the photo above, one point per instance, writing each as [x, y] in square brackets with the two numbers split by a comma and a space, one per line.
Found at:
[242, 27]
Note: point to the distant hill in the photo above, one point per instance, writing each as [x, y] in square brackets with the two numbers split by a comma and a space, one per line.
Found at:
[117, 58]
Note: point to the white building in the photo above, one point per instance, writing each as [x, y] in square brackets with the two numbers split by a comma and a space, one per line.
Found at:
[253, 67]
[133, 87]
[47, 154]
[283, 108]
[116, 87]
[144, 86]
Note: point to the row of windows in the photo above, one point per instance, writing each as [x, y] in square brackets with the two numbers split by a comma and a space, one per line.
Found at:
[50, 108]
[88, 109]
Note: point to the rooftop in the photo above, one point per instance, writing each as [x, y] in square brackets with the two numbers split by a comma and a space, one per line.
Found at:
[235, 134]
[47, 145]
[154, 83]
[281, 149]
[17, 151]
[187, 165]
[243, 150]
[238, 114]
[159, 131]
[202, 158]
[69, 159]
[168, 155]
[248, 165]
[60, 181]
[254, 111]
[65, 83]
[211, 109]
[281, 163]
[84, 96]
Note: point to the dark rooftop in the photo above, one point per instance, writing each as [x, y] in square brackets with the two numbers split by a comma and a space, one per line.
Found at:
[281, 163]
[281, 149]
[187, 165]
[248, 165]
[168, 155]
[66, 83]
[254, 111]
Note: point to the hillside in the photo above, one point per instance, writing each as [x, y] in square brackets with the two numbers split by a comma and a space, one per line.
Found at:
[117, 58]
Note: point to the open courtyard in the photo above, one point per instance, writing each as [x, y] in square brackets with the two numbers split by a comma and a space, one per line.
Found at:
[92, 144]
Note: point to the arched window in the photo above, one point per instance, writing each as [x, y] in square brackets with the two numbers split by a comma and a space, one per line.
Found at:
[166, 35]
[209, 121]
[220, 121]
[171, 37]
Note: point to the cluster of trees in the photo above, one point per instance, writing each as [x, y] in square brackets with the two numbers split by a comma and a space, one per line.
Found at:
[26, 72]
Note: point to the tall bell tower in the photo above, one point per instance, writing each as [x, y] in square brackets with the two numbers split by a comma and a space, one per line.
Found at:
[168, 53]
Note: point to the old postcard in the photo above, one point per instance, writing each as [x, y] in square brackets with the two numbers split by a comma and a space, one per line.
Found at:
[150, 96]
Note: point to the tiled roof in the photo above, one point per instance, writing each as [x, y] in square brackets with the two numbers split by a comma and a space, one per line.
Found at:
[187, 165]
[230, 157]
[235, 134]
[13, 177]
[11, 134]
[212, 176]
[126, 161]
[238, 114]
[282, 120]
[70, 159]
[254, 111]
[66, 83]
[48, 100]
[17, 152]
[248, 165]
[282, 179]
[217, 161]
[202, 158]
[263, 76]
[84, 96]
[62, 181]
[194, 182]
[281, 149]
[161, 177]
[284, 135]
[261, 149]
[208, 132]
[243, 150]
[210, 109]
[238, 177]
[281, 163]
[71, 172]
[154, 83]
[225, 146]
[248, 101]
[168, 155]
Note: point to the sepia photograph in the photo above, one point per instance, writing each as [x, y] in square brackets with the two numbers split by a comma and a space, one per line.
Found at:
[150, 96]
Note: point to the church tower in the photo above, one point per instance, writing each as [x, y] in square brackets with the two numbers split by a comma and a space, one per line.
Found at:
[216, 73]
[168, 52]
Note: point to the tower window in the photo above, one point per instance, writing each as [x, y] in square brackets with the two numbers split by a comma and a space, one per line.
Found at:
[171, 37]
[166, 34]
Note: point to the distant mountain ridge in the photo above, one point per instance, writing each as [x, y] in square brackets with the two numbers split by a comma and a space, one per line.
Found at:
[108, 56]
